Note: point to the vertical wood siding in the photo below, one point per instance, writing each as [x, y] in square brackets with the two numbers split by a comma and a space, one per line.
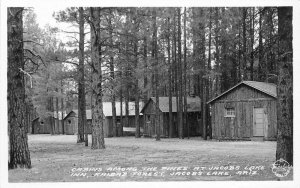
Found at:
[243, 99]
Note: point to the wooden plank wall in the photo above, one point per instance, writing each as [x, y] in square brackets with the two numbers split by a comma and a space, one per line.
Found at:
[195, 127]
[243, 100]
[242, 125]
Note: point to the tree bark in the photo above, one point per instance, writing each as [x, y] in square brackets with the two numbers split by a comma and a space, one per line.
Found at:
[97, 116]
[57, 111]
[62, 109]
[51, 118]
[180, 105]
[156, 76]
[185, 122]
[121, 110]
[127, 70]
[112, 76]
[208, 84]
[19, 155]
[170, 81]
[244, 63]
[285, 86]
[136, 80]
[81, 85]
[217, 56]
[260, 49]
[175, 67]
[252, 12]
[145, 84]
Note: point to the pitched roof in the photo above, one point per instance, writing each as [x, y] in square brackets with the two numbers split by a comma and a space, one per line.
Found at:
[88, 113]
[267, 88]
[59, 114]
[193, 104]
[107, 109]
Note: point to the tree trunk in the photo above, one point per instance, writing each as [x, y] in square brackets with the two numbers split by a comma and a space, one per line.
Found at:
[207, 82]
[97, 116]
[18, 141]
[81, 85]
[252, 12]
[185, 122]
[62, 109]
[260, 71]
[217, 56]
[127, 106]
[175, 69]
[244, 63]
[112, 76]
[204, 116]
[121, 110]
[57, 111]
[170, 82]
[180, 105]
[145, 97]
[285, 86]
[51, 109]
[127, 70]
[156, 76]
[136, 81]
[241, 67]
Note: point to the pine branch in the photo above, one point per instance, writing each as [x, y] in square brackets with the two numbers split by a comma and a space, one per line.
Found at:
[33, 54]
[32, 42]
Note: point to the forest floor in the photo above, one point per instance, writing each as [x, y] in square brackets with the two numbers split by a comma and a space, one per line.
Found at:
[59, 158]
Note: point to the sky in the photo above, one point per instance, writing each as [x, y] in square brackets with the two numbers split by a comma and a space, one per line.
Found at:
[44, 14]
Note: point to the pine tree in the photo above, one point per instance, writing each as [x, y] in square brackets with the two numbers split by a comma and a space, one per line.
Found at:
[97, 115]
[285, 86]
[82, 124]
[18, 141]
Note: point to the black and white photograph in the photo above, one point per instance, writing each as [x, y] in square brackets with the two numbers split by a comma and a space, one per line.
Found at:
[108, 93]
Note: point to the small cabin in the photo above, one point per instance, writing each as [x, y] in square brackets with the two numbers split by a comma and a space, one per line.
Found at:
[71, 120]
[246, 111]
[43, 125]
[128, 130]
[193, 127]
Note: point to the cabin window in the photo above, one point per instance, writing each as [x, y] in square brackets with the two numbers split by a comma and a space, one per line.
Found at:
[42, 123]
[229, 112]
[148, 118]
[69, 121]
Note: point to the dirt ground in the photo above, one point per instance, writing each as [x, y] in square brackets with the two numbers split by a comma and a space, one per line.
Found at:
[59, 158]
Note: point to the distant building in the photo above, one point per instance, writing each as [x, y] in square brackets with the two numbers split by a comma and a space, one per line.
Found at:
[43, 125]
[193, 117]
[71, 120]
[245, 111]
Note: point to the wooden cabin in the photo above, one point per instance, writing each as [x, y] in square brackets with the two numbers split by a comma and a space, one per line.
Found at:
[43, 125]
[71, 120]
[128, 130]
[245, 111]
[193, 117]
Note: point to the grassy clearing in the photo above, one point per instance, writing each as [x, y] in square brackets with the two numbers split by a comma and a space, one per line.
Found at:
[60, 159]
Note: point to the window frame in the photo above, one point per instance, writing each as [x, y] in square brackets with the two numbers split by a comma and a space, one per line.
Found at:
[229, 112]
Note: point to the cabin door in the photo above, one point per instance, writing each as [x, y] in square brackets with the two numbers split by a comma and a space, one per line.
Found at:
[258, 122]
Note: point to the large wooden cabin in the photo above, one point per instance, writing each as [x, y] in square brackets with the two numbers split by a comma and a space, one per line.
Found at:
[246, 111]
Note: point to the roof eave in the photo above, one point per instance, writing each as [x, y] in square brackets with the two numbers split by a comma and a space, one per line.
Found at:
[212, 100]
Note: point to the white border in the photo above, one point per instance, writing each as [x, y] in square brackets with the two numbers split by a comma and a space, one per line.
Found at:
[146, 3]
